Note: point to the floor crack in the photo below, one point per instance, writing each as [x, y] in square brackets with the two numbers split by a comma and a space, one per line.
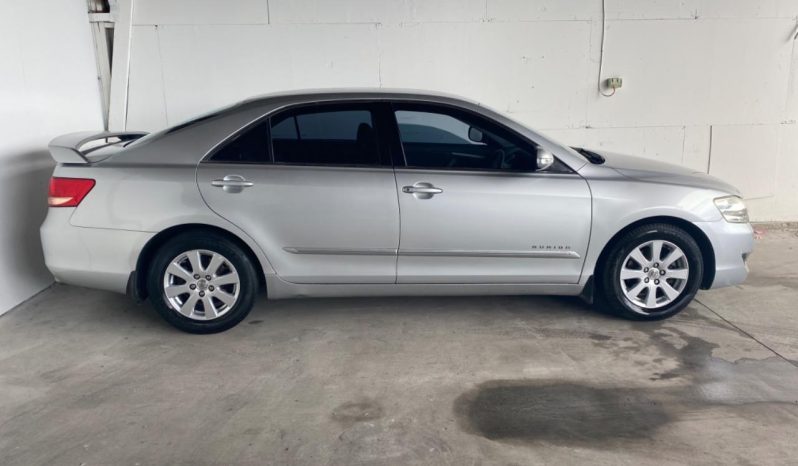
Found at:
[748, 334]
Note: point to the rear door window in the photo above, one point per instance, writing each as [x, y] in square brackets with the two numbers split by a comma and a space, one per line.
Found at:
[249, 146]
[337, 135]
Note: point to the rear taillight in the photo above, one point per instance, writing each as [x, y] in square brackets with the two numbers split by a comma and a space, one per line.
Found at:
[68, 192]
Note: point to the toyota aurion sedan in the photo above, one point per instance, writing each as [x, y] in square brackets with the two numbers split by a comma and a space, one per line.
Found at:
[373, 193]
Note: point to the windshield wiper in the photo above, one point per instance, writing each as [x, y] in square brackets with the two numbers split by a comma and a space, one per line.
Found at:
[592, 157]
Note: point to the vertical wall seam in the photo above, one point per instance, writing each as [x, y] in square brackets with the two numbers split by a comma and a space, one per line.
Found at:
[126, 103]
[684, 141]
[790, 71]
[379, 54]
[588, 63]
[163, 80]
[120, 66]
[709, 156]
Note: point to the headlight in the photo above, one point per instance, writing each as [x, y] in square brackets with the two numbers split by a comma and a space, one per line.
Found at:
[732, 208]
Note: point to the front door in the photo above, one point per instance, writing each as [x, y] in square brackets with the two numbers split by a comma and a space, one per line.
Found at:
[475, 210]
[320, 200]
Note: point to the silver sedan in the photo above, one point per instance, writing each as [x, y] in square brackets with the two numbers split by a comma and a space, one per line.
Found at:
[374, 192]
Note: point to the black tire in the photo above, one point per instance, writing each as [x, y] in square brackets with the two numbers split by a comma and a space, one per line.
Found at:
[609, 293]
[208, 241]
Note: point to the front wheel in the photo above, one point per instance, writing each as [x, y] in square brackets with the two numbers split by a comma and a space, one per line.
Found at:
[651, 273]
[201, 282]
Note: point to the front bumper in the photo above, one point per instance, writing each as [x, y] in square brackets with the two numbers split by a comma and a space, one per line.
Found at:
[732, 243]
[91, 257]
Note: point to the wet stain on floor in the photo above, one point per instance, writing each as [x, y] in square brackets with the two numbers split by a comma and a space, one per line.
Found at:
[357, 411]
[557, 411]
[569, 412]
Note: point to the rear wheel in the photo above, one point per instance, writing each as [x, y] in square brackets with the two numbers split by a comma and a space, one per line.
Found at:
[651, 273]
[202, 283]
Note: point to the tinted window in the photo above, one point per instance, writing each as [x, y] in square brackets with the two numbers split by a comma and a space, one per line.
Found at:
[251, 145]
[456, 140]
[325, 137]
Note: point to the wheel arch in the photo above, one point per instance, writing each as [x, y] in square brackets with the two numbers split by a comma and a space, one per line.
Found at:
[137, 284]
[704, 244]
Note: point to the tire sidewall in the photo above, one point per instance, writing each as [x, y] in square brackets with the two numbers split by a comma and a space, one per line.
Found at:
[186, 242]
[637, 237]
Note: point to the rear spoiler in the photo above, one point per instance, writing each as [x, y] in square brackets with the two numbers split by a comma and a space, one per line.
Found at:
[67, 148]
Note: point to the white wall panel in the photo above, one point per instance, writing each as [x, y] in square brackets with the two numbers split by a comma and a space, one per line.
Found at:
[687, 65]
[693, 72]
[746, 156]
[791, 107]
[745, 8]
[539, 79]
[658, 143]
[651, 9]
[200, 12]
[696, 147]
[48, 86]
[205, 67]
[520, 10]
[700, 9]
[783, 205]
[375, 11]
[146, 79]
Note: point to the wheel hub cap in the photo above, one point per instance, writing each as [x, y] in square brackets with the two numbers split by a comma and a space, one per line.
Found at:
[654, 274]
[201, 284]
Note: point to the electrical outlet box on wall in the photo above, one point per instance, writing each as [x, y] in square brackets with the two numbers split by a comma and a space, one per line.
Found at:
[614, 83]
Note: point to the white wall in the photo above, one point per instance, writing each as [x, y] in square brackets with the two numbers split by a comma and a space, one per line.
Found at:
[711, 84]
[48, 86]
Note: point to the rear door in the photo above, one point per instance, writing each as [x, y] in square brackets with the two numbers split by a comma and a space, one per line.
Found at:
[315, 189]
[474, 209]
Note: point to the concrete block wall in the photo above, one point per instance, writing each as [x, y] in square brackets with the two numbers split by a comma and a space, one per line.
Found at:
[710, 84]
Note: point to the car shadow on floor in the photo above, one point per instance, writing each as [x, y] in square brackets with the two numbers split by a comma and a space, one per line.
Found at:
[114, 311]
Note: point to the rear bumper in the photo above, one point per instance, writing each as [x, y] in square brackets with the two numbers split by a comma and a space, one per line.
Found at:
[91, 257]
[732, 243]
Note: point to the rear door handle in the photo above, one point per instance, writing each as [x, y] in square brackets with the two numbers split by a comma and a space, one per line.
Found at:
[422, 190]
[232, 183]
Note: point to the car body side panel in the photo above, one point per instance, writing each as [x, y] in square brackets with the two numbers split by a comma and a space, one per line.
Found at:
[319, 224]
[146, 199]
[732, 243]
[150, 185]
[493, 227]
[619, 201]
[281, 289]
[92, 257]
[137, 198]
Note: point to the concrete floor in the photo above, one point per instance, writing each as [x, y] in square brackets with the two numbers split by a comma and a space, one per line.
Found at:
[87, 377]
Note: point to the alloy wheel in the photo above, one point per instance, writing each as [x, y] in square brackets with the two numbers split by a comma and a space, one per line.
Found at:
[654, 274]
[201, 284]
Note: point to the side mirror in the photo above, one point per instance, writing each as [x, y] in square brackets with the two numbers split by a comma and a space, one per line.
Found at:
[475, 134]
[545, 159]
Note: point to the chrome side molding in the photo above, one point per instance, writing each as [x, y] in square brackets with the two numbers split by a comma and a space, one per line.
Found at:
[544, 254]
[342, 251]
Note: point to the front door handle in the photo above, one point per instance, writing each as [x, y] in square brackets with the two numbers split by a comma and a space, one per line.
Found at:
[414, 189]
[422, 190]
[232, 183]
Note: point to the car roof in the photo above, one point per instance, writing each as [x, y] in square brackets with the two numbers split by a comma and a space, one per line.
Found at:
[189, 141]
[309, 95]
